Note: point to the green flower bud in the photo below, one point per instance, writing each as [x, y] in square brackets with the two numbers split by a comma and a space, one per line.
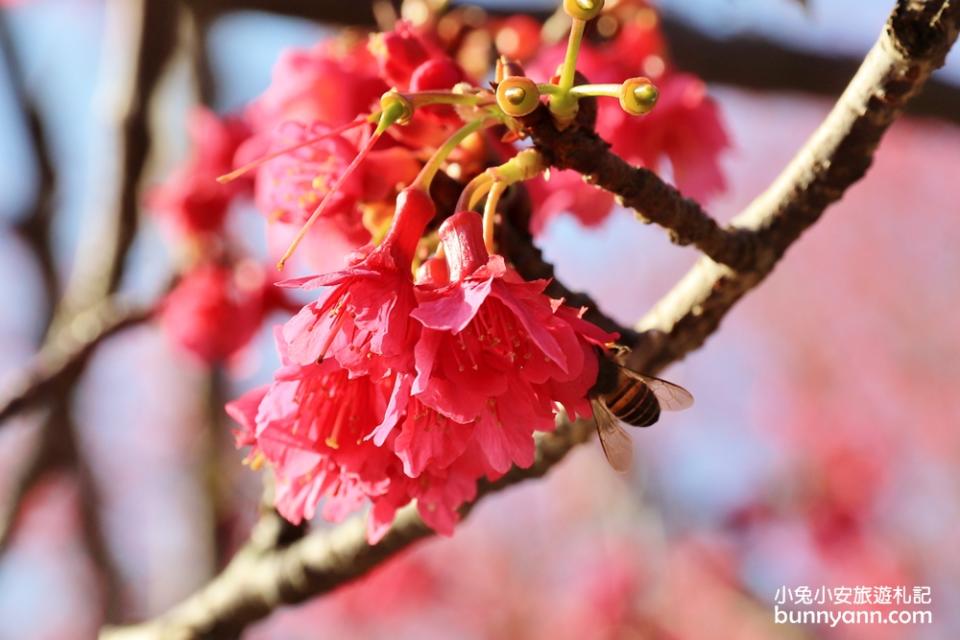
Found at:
[583, 9]
[638, 96]
[518, 96]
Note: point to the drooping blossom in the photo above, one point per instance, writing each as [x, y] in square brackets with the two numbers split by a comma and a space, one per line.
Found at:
[216, 309]
[364, 321]
[495, 352]
[410, 62]
[191, 200]
[290, 186]
[309, 426]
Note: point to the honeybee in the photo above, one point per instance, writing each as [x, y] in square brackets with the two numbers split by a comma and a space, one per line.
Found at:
[623, 395]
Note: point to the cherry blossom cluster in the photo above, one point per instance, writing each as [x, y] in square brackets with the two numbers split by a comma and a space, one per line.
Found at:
[421, 361]
[222, 295]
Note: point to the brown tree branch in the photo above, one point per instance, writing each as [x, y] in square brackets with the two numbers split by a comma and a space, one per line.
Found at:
[756, 62]
[140, 36]
[638, 188]
[912, 45]
[836, 156]
[34, 227]
[57, 364]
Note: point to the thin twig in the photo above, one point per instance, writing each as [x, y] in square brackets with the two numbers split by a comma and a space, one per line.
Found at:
[837, 155]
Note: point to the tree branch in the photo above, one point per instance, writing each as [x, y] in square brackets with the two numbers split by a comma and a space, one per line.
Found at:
[34, 227]
[912, 45]
[836, 156]
[638, 188]
[141, 37]
[61, 359]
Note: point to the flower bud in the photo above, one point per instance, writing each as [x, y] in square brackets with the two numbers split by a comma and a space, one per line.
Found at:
[438, 73]
[583, 9]
[638, 96]
[414, 210]
[462, 238]
[518, 96]
[396, 107]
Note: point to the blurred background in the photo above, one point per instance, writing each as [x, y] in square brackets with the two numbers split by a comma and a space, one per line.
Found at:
[823, 450]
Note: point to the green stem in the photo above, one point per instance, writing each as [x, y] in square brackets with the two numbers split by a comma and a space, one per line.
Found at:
[596, 90]
[474, 191]
[433, 165]
[569, 67]
[388, 116]
[442, 97]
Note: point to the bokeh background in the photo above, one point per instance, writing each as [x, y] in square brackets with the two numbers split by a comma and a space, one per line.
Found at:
[823, 450]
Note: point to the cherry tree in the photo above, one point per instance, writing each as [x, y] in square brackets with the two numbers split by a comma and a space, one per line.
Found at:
[406, 170]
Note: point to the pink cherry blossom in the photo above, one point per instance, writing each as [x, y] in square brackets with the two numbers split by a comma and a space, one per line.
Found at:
[216, 309]
[496, 352]
[331, 82]
[364, 321]
[191, 200]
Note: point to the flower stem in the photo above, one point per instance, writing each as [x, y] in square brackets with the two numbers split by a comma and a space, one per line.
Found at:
[424, 98]
[596, 90]
[425, 177]
[490, 213]
[327, 199]
[569, 67]
[548, 89]
[474, 191]
[563, 103]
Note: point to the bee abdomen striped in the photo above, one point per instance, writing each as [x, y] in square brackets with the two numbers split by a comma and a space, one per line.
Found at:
[634, 403]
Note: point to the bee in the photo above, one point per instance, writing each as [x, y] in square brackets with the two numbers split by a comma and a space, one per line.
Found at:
[622, 395]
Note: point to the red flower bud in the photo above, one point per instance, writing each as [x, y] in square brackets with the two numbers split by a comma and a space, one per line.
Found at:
[414, 210]
[436, 74]
[462, 238]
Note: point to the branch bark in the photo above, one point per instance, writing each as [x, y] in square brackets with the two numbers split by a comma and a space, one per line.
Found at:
[57, 364]
[34, 227]
[638, 188]
[836, 156]
[141, 38]
[913, 43]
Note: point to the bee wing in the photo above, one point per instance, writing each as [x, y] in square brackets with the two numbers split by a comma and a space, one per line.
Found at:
[616, 442]
[672, 397]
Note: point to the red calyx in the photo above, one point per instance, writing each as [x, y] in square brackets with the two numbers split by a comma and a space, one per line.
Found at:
[462, 238]
[414, 210]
